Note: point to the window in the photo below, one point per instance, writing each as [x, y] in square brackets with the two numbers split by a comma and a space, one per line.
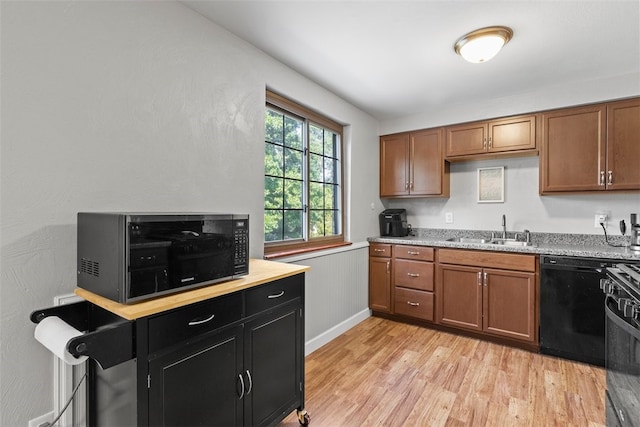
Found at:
[303, 178]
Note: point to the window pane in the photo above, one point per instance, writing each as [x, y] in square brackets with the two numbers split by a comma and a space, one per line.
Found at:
[273, 127]
[330, 174]
[331, 222]
[293, 194]
[329, 196]
[293, 163]
[293, 132]
[272, 225]
[273, 160]
[316, 226]
[315, 139]
[316, 196]
[293, 224]
[273, 193]
[330, 139]
[315, 168]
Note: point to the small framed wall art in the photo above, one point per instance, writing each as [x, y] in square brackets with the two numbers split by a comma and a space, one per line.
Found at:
[491, 185]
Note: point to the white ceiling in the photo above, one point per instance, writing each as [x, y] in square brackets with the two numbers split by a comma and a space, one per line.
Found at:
[396, 58]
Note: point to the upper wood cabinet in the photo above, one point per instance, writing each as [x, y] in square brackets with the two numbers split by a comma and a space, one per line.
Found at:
[509, 136]
[591, 148]
[412, 165]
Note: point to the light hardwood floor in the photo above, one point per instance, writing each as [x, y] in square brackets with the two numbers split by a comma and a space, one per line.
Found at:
[385, 373]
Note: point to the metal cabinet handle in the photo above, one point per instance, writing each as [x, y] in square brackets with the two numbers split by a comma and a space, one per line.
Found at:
[406, 185]
[250, 382]
[242, 386]
[413, 304]
[388, 265]
[413, 275]
[200, 322]
[413, 253]
[378, 250]
[490, 143]
[484, 144]
[276, 295]
[485, 279]
[601, 177]
[610, 179]
[411, 185]
[479, 278]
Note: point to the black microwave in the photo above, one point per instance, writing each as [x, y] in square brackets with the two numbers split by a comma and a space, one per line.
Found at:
[129, 257]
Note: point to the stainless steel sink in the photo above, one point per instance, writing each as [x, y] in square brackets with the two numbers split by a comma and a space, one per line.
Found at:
[510, 242]
[468, 240]
[504, 242]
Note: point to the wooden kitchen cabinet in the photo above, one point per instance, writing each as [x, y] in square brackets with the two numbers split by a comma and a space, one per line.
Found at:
[413, 281]
[380, 277]
[488, 292]
[412, 165]
[508, 136]
[591, 148]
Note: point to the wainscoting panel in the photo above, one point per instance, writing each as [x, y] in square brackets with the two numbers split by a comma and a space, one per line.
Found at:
[336, 293]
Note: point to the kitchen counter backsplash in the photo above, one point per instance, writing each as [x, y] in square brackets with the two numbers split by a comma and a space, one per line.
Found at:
[585, 245]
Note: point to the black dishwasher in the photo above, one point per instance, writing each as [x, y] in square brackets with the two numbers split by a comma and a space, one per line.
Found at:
[572, 319]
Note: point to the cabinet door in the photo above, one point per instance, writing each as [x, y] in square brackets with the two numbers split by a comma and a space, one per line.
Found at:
[274, 363]
[623, 145]
[459, 297]
[513, 134]
[466, 139]
[509, 304]
[394, 165]
[427, 170]
[572, 150]
[198, 384]
[380, 284]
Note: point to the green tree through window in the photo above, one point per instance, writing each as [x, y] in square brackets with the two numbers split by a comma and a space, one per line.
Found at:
[302, 186]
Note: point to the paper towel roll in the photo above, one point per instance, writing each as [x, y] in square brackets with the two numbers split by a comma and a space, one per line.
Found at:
[54, 333]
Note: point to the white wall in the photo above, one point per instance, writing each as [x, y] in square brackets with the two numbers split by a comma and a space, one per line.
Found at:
[142, 106]
[523, 206]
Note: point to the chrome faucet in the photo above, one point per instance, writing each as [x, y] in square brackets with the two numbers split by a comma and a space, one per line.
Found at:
[504, 226]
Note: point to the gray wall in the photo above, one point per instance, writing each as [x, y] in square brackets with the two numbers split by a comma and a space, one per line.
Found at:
[142, 106]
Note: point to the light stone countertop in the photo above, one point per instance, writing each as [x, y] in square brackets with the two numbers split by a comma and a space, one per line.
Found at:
[579, 245]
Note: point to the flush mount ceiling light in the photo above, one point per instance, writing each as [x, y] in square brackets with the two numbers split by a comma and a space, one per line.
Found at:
[483, 44]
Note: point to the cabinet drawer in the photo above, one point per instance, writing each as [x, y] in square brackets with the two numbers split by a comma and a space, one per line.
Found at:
[413, 274]
[193, 320]
[410, 302]
[380, 249]
[421, 253]
[274, 294]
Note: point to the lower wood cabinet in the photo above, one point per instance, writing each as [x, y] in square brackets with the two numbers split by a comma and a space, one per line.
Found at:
[231, 361]
[497, 301]
[490, 293]
[380, 277]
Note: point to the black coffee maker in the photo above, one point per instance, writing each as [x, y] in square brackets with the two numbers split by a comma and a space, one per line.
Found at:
[393, 223]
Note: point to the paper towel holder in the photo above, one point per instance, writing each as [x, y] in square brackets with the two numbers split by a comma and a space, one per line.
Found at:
[109, 344]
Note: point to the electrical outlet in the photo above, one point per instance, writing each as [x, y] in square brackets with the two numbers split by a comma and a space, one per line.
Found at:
[42, 420]
[600, 218]
[448, 217]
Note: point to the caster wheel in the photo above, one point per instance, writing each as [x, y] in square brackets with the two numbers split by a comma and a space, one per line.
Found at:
[303, 417]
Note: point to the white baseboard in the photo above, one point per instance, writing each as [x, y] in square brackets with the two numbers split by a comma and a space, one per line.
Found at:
[325, 337]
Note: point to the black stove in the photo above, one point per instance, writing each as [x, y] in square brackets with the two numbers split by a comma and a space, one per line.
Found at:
[622, 307]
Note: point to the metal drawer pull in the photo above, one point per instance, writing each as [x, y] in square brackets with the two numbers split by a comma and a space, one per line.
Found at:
[413, 304]
[413, 275]
[200, 322]
[242, 386]
[378, 250]
[413, 252]
[250, 382]
[276, 295]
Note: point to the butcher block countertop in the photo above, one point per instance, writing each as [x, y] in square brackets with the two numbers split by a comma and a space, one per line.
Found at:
[260, 272]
